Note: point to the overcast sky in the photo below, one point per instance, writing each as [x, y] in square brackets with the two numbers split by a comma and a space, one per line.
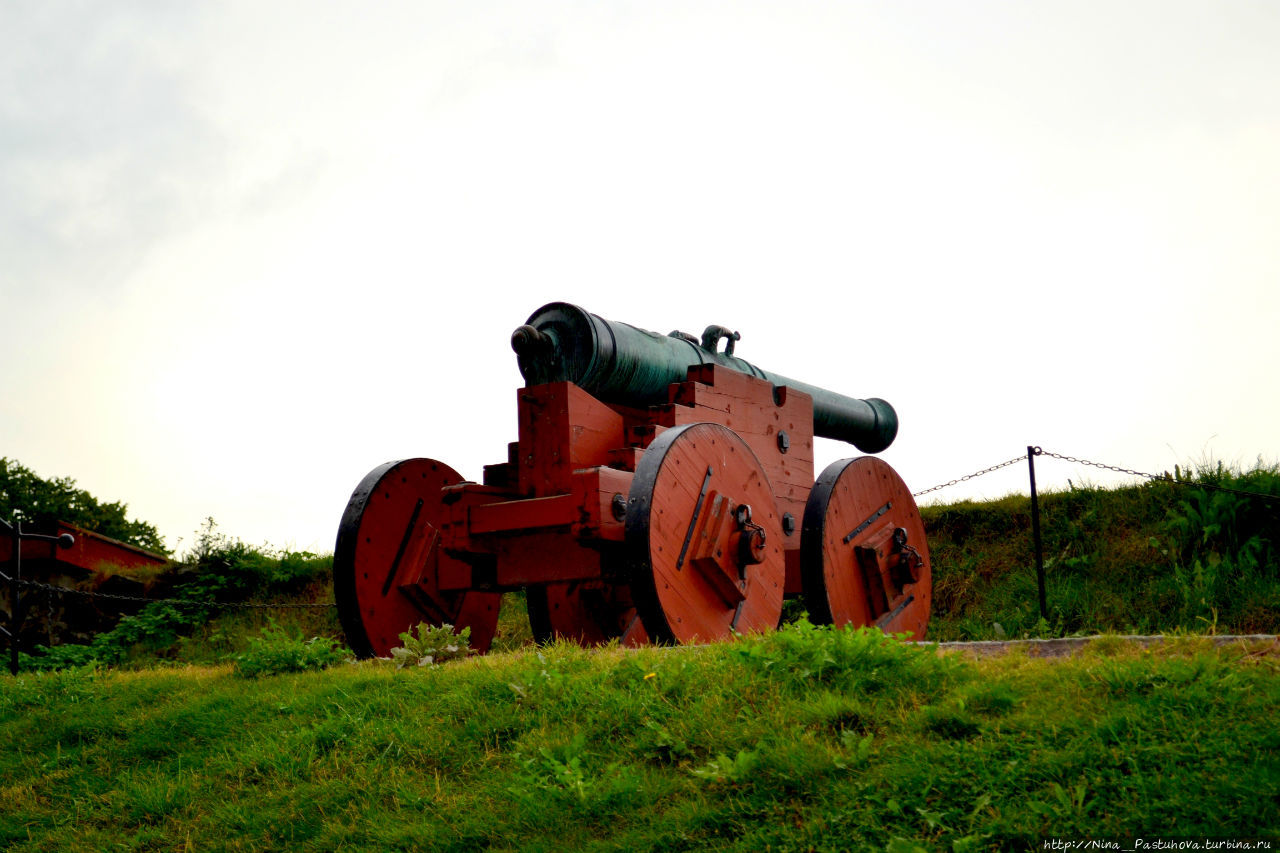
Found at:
[249, 251]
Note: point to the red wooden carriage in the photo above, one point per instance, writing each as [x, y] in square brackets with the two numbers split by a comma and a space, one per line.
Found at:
[660, 490]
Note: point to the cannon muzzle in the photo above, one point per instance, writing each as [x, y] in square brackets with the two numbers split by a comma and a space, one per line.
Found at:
[624, 365]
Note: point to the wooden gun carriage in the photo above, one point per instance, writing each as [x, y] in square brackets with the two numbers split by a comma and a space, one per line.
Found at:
[660, 490]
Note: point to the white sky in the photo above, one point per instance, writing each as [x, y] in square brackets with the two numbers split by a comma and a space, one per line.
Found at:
[249, 251]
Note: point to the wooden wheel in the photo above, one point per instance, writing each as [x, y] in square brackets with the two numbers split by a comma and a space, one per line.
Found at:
[589, 612]
[389, 571]
[864, 559]
[704, 537]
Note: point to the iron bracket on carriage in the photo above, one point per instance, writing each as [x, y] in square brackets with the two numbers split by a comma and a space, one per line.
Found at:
[660, 490]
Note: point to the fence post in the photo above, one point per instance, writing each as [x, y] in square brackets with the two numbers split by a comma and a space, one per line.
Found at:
[1032, 453]
[15, 600]
[65, 540]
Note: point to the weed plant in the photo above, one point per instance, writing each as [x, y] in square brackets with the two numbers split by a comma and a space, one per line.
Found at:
[427, 645]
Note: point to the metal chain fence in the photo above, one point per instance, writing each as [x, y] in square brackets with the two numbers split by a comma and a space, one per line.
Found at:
[1038, 451]
[88, 593]
[1165, 477]
[997, 467]
[1033, 451]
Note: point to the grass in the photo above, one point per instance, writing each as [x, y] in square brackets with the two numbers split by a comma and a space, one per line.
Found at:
[804, 739]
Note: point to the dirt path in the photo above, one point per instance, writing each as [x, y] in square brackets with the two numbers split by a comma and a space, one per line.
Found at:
[1262, 644]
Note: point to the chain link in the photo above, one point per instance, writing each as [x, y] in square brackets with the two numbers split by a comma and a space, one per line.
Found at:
[1012, 461]
[1164, 478]
[1038, 451]
[1116, 468]
[62, 590]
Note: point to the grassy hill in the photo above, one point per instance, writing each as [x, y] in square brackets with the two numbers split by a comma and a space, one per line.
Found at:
[804, 739]
[156, 738]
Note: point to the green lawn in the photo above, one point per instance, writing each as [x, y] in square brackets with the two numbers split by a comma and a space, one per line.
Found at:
[803, 739]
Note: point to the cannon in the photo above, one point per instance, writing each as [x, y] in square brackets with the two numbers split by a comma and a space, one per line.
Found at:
[660, 489]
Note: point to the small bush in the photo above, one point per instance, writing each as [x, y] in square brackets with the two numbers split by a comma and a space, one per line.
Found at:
[433, 645]
[859, 659]
[219, 571]
[277, 651]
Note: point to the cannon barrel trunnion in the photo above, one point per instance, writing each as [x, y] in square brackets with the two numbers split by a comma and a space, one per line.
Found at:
[659, 490]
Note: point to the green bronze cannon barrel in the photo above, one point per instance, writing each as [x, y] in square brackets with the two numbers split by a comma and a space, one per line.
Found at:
[618, 363]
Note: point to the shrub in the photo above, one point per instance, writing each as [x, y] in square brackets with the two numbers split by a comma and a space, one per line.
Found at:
[277, 651]
[220, 571]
